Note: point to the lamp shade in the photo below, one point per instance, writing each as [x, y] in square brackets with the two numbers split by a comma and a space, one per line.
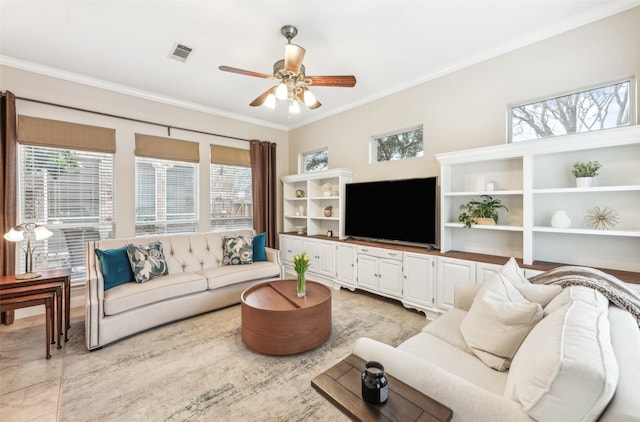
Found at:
[14, 235]
[42, 233]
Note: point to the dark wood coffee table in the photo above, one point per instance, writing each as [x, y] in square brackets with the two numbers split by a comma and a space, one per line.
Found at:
[341, 385]
[275, 321]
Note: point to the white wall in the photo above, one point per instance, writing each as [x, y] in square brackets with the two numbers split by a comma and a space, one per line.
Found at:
[468, 108]
[47, 89]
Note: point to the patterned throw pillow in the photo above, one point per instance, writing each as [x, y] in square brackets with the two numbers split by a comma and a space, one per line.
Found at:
[237, 250]
[147, 261]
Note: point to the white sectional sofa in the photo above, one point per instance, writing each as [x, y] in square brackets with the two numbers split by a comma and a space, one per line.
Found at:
[576, 359]
[199, 280]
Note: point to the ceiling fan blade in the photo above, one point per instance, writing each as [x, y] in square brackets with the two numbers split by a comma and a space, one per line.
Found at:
[258, 101]
[293, 55]
[301, 97]
[243, 72]
[337, 81]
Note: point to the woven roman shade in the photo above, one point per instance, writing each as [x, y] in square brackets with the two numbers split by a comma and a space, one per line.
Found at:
[58, 134]
[167, 148]
[230, 156]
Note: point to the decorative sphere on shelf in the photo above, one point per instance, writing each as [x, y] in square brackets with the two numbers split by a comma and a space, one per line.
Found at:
[560, 220]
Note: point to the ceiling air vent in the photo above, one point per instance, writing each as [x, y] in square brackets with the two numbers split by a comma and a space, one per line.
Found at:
[180, 52]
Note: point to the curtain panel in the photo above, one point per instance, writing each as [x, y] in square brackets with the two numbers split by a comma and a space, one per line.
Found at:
[8, 196]
[263, 171]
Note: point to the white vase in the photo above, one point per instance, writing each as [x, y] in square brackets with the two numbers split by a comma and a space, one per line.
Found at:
[584, 182]
[560, 219]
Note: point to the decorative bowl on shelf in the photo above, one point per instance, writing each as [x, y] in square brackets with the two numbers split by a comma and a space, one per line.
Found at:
[300, 229]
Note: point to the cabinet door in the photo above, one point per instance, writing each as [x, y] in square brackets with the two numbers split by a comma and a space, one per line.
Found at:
[326, 258]
[450, 272]
[390, 271]
[484, 271]
[418, 279]
[346, 264]
[310, 246]
[368, 272]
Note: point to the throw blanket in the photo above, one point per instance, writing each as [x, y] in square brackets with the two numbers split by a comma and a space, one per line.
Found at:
[611, 287]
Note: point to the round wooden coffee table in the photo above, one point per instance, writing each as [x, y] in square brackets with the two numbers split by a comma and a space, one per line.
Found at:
[277, 322]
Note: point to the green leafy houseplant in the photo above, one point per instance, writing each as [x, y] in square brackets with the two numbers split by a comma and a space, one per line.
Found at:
[588, 169]
[487, 208]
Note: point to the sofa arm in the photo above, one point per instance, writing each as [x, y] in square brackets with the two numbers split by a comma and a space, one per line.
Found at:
[467, 401]
[463, 295]
[273, 255]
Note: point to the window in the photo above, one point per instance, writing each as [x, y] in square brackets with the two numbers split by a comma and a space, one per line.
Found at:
[599, 108]
[166, 200]
[231, 197]
[397, 146]
[315, 161]
[70, 191]
[231, 188]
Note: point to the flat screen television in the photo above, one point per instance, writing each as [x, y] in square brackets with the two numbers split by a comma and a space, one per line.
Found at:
[398, 211]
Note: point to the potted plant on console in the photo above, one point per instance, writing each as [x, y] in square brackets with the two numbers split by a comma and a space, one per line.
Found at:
[481, 212]
[585, 172]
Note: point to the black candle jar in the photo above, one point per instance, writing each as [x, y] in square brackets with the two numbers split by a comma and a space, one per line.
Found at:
[374, 383]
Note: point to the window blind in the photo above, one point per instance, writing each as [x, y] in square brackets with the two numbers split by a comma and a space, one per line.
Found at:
[231, 197]
[166, 196]
[71, 191]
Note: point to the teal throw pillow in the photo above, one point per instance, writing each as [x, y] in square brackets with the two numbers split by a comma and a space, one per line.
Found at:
[259, 252]
[115, 267]
[237, 250]
[147, 261]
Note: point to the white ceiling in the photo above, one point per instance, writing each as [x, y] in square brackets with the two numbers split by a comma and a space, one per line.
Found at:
[388, 45]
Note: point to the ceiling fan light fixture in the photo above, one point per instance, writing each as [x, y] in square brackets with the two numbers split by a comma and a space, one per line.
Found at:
[282, 93]
[309, 98]
[270, 101]
[294, 107]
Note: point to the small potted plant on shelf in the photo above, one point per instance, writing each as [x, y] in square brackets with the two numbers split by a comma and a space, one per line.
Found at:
[328, 210]
[584, 172]
[481, 212]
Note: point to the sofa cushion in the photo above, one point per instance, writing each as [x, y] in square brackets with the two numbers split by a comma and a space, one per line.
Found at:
[454, 360]
[237, 250]
[498, 321]
[227, 275]
[259, 251]
[573, 293]
[447, 328]
[133, 295]
[147, 261]
[565, 369]
[115, 267]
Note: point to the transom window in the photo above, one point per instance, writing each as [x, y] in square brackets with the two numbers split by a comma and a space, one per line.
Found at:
[397, 146]
[315, 161]
[595, 109]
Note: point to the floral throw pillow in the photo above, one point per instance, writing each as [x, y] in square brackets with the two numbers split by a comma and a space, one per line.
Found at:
[147, 261]
[237, 250]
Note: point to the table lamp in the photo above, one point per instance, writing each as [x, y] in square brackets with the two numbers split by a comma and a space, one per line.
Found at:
[18, 234]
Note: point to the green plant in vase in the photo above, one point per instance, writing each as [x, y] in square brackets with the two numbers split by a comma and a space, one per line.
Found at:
[300, 264]
[588, 169]
[474, 210]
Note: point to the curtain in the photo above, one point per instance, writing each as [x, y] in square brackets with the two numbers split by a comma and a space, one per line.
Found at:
[263, 173]
[8, 187]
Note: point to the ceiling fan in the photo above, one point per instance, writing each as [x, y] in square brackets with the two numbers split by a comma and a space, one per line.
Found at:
[293, 84]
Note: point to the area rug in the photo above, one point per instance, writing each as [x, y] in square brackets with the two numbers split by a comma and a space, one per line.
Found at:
[199, 369]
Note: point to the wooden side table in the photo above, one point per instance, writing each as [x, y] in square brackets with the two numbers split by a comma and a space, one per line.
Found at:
[25, 301]
[342, 386]
[62, 277]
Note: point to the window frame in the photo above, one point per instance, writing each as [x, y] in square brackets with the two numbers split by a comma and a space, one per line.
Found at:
[302, 160]
[374, 144]
[213, 167]
[631, 107]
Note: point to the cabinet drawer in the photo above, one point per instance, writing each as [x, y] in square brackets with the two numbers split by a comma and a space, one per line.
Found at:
[380, 252]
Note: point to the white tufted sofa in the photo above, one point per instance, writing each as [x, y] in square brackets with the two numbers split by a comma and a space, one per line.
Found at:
[197, 282]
